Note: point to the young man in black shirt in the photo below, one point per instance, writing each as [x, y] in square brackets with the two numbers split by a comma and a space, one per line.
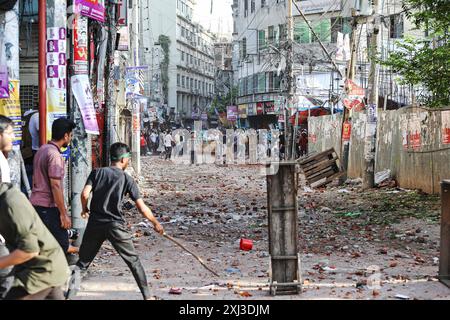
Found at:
[106, 222]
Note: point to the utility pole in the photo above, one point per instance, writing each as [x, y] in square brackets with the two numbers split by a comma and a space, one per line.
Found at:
[290, 89]
[371, 124]
[351, 73]
[42, 21]
[110, 107]
[136, 103]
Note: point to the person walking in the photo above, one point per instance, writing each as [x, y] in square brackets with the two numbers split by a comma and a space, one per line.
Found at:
[106, 220]
[161, 148]
[168, 140]
[40, 267]
[48, 190]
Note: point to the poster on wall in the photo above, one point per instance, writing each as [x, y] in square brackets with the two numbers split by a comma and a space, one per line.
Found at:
[80, 45]
[242, 111]
[232, 112]
[355, 96]
[445, 116]
[10, 107]
[122, 6]
[4, 82]
[81, 89]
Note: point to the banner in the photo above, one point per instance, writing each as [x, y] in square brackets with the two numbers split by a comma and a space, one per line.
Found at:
[346, 135]
[123, 39]
[269, 107]
[4, 83]
[94, 9]
[82, 92]
[259, 108]
[445, 115]
[10, 107]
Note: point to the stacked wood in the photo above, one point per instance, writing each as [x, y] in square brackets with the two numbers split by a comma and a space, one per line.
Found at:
[322, 168]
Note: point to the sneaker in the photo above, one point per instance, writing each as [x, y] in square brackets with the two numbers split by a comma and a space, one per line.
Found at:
[74, 283]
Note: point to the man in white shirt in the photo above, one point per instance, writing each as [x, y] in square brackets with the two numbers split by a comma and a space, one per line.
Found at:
[34, 131]
[168, 144]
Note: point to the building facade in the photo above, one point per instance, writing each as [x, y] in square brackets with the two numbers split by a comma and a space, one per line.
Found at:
[191, 68]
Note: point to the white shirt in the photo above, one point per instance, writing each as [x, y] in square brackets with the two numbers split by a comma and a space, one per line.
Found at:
[6, 174]
[153, 137]
[168, 140]
[34, 131]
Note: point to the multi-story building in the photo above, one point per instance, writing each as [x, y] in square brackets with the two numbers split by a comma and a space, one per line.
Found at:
[191, 66]
[259, 57]
[223, 55]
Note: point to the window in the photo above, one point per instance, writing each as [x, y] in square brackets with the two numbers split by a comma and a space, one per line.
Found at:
[262, 39]
[342, 25]
[396, 26]
[271, 34]
[263, 3]
[183, 81]
[178, 80]
[261, 82]
[182, 31]
[245, 8]
[282, 32]
[244, 48]
[253, 6]
[302, 34]
[323, 30]
[182, 55]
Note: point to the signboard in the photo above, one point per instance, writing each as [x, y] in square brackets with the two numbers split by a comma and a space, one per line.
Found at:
[80, 45]
[445, 115]
[10, 107]
[232, 112]
[242, 111]
[251, 109]
[94, 9]
[204, 116]
[259, 108]
[133, 83]
[82, 92]
[269, 107]
[319, 6]
[122, 7]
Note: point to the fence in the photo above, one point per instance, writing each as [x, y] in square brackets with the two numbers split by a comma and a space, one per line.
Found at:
[414, 143]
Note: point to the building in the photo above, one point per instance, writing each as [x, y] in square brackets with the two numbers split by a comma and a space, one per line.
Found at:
[223, 56]
[259, 57]
[189, 74]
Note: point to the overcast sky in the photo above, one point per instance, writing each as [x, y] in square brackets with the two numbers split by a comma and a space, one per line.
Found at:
[221, 20]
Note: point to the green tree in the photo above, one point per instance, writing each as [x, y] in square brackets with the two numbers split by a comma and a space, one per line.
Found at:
[164, 41]
[426, 62]
[221, 102]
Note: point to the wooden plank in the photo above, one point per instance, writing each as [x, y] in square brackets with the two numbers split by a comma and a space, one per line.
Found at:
[326, 174]
[283, 234]
[444, 261]
[315, 164]
[320, 172]
[328, 180]
[317, 156]
[321, 166]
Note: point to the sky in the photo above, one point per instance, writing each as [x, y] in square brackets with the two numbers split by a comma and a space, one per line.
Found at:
[221, 20]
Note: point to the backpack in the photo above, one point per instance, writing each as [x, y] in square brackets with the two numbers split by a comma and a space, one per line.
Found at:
[27, 142]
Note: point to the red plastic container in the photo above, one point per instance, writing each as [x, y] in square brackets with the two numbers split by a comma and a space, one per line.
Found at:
[246, 244]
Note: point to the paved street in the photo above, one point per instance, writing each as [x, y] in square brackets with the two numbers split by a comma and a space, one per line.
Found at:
[353, 245]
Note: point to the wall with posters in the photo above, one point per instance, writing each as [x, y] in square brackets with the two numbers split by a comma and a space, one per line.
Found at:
[414, 143]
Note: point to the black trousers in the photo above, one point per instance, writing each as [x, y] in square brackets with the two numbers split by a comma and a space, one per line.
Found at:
[168, 152]
[121, 240]
[19, 293]
[51, 218]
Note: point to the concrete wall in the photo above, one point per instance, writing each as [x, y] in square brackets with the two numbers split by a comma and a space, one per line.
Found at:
[410, 142]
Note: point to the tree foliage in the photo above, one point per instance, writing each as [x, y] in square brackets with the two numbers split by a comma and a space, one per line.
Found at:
[221, 102]
[165, 45]
[426, 62]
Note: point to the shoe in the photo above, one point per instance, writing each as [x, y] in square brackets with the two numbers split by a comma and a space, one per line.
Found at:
[74, 283]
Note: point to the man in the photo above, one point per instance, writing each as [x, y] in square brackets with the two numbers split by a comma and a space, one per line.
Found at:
[40, 267]
[30, 139]
[153, 138]
[6, 145]
[106, 220]
[168, 145]
[48, 191]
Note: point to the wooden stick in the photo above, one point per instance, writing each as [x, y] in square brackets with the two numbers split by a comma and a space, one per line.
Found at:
[190, 252]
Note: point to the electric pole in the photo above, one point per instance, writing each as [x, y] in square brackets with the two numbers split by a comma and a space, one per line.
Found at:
[372, 106]
[290, 89]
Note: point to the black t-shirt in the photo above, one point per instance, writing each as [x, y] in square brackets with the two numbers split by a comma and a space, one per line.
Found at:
[109, 186]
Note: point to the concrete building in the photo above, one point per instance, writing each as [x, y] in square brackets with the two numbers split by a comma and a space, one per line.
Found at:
[223, 56]
[259, 57]
[191, 66]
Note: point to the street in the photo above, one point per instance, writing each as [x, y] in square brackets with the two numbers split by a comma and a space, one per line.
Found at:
[383, 244]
